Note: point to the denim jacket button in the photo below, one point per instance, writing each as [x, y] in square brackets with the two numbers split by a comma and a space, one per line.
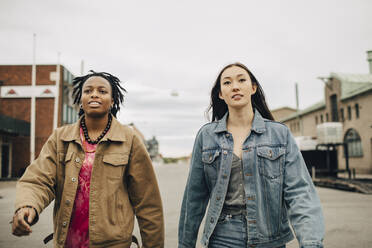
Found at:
[227, 135]
[212, 220]
[218, 198]
[225, 152]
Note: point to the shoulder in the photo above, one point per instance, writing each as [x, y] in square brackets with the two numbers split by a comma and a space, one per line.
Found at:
[207, 129]
[270, 124]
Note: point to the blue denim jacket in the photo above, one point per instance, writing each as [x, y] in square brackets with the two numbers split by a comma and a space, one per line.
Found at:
[277, 185]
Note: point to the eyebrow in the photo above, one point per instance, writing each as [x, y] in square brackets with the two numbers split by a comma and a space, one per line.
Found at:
[239, 75]
[99, 87]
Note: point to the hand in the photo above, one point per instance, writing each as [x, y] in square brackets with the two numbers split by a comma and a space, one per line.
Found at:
[21, 221]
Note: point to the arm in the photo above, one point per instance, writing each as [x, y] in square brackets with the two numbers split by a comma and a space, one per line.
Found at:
[301, 199]
[145, 196]
[195, 199]
[35, 189]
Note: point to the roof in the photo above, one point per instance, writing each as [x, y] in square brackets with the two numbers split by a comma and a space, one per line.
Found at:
[312, 108]
[353, 84]
[14, 126]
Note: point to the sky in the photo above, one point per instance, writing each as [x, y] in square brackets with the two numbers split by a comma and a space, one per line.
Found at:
[158, 48]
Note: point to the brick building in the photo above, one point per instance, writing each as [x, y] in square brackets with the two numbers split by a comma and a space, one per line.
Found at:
[15, 111]
[348, 100]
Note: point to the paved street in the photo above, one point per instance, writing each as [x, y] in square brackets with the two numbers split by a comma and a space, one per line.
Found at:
[348, 215]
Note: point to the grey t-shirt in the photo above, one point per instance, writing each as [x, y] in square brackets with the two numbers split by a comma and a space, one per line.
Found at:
[235, 200]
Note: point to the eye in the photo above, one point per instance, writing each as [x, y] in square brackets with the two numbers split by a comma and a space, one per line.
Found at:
[103, 91]
[226, 82]
[86, 91]
[242, 80]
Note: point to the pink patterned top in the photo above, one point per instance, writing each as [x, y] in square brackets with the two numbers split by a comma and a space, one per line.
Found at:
[78, 232]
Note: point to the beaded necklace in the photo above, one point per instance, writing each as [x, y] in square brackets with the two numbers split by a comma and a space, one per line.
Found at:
[85, 131]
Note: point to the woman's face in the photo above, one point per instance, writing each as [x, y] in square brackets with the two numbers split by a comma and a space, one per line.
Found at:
[96, 97]
[236, 87]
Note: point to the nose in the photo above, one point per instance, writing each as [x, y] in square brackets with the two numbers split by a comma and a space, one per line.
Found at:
[235, 86]
[94, 94]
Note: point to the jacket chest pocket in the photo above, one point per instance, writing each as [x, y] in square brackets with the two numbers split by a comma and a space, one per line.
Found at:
[114, 165]
[211, 161]
[270, 161]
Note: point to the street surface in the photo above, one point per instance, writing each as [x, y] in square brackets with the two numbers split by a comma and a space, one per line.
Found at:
[348, 215]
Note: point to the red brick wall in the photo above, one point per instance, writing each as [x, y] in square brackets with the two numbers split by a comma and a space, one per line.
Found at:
[21, 74]
[16, 108]
[15, 75]
[44, 122]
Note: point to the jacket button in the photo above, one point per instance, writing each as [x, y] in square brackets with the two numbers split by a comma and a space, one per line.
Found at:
[248, 174]
[68, 202]
[225, 152]
[77, 160]
[212, 220]
[73, 179]
[224, 176]
[64, 224]
[227, 135]
[218, 198]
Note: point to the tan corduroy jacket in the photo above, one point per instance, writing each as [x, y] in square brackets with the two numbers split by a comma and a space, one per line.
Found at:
[123, 184]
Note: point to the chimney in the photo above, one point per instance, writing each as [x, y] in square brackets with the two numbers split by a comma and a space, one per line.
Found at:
[369, 59]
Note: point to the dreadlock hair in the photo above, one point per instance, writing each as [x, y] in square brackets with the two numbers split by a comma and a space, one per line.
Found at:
[219, 107]
[116, 88]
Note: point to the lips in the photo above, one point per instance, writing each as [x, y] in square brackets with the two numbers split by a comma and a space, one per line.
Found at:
[237, 96]
[94, 104]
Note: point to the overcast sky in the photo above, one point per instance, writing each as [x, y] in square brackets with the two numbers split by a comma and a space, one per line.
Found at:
[160, 47]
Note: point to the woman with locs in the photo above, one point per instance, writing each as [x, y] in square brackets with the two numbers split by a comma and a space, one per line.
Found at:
[250, 170]
[99, 174]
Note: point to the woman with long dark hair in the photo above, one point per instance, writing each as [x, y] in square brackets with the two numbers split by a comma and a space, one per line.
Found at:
[99, 174]
[250, 171]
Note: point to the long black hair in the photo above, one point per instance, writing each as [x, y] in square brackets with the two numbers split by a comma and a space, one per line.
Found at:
[116, 88]
[219, 107]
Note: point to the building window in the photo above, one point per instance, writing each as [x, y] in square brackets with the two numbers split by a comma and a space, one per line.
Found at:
[354, 143]
[356, 110]
[334, 112]
[321, 118]
[342, 114]
[327, 118]
[316, 119]
[349, 113]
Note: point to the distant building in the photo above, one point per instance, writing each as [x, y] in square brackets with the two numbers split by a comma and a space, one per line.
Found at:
[15, 111]
[348, 100]
[283, 112]
[153, 147]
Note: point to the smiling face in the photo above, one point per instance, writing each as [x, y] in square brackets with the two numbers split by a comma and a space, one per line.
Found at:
[96, 97]
[236, 87]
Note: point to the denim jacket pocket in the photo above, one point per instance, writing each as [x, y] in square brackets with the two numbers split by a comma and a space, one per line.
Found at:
[270, 161]
[211, 165]
[209, 157]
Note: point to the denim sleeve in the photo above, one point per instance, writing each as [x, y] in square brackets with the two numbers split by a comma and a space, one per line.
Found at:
[302, 201]
[195, 199]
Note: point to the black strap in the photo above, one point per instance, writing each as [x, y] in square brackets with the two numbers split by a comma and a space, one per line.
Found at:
[48, 238]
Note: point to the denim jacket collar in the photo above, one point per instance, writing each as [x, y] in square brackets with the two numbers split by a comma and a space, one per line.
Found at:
[258, 124]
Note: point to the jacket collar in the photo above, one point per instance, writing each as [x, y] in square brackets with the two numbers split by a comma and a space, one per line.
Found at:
[116, 133]
[258, 124]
